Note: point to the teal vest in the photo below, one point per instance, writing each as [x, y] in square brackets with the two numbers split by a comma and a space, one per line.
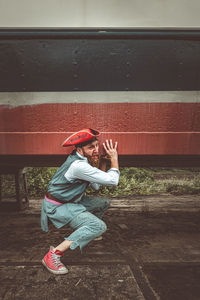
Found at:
[60, 188]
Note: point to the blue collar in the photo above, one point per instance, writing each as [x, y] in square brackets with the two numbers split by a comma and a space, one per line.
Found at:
[82, 157]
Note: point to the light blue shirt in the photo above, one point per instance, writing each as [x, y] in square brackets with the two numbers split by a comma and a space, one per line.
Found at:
[81, 169]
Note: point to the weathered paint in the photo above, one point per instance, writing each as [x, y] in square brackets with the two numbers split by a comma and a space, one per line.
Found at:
[106, 117]
[140, 87]
[32, 98]
[140, 128]
[130, 143]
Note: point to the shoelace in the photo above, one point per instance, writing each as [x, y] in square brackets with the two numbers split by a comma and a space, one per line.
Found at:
[56, 260]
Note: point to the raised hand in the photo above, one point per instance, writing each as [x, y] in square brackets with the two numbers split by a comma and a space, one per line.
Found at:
[111, 152]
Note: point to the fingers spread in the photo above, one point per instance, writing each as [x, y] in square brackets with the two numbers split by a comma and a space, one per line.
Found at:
[108, 146]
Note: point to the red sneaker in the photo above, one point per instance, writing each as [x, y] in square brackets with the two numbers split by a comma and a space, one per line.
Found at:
[52, 262]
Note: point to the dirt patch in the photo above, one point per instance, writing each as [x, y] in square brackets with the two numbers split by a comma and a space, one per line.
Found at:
[153, 254]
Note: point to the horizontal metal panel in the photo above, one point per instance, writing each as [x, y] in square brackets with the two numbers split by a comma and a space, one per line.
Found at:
[100, 33]
[137, 143]
[106, 117]
[107, 62]
[181, 161]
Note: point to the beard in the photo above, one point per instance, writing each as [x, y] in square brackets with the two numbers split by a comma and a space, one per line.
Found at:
[92, 160]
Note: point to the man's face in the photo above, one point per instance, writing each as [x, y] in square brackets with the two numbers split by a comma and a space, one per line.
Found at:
[91, 151]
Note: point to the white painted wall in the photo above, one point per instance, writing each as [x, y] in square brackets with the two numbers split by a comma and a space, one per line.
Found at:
[99, 13]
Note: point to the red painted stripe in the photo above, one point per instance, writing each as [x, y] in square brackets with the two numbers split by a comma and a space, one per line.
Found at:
[130, 143]
[140, 128]
[107, 117]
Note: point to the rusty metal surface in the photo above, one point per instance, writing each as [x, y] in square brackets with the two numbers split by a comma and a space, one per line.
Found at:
[140, 128]
[138, 143]
[91, 61]
[107, 117]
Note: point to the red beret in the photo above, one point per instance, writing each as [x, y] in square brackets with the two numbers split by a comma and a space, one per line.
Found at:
[82, 136]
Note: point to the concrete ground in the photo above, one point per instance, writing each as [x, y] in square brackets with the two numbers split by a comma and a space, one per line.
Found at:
[151, 250]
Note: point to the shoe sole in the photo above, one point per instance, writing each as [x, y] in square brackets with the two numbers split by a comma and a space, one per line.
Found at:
[53, 271]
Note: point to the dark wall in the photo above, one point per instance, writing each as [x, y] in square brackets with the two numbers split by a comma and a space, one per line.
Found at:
[61, 60]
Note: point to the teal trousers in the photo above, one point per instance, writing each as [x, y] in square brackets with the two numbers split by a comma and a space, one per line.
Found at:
[88, 224]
